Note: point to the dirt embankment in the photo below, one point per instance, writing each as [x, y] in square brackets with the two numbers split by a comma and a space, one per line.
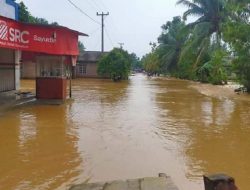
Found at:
[220, 91]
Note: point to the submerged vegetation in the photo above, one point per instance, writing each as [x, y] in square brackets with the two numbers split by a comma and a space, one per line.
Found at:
[115, 65]
[213, 48]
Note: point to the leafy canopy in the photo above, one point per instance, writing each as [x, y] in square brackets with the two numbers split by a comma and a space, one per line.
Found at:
[115, 65]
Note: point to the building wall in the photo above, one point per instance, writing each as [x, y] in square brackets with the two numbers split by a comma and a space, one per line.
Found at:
[17, 57]
[7, 70]
[28, 70]
[91, 70]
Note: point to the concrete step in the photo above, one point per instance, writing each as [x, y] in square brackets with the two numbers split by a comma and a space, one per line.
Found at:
[149, 183]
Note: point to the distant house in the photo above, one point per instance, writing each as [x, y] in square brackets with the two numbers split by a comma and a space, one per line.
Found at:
[87, 64]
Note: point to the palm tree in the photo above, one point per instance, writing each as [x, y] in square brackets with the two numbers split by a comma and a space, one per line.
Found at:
[211, 12]
[206, 30]
[171, 42]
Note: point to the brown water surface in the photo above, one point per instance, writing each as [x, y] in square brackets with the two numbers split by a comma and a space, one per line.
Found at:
[125, 130]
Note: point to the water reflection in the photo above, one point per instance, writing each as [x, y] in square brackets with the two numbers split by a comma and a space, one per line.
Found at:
[38, 150]
[213, 133]
[224, 146]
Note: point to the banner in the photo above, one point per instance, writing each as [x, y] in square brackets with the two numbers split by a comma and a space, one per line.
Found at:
[56, 40]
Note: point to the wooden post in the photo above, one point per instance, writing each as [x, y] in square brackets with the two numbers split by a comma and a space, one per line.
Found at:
[219, 182]
[70, 83]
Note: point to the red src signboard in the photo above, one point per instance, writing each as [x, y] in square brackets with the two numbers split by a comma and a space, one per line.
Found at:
[56, 40]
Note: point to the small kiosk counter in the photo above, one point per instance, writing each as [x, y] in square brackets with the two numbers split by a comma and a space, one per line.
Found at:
[52, 75]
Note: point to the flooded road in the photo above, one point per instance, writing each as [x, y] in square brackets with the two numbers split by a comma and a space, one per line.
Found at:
[125, 130]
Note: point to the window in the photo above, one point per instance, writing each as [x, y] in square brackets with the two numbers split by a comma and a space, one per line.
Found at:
[82, 69]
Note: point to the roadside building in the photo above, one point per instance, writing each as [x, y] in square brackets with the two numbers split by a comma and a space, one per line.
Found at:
[9, 58]
[87, 64]
[52, 51]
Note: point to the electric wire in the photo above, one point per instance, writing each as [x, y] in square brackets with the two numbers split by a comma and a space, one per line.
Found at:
[79, 9]
[91, 5]
[94, 31]
[97, 5]
[110, 40]
[105, 7]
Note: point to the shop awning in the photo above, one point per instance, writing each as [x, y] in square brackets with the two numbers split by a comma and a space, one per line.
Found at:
[49, 39]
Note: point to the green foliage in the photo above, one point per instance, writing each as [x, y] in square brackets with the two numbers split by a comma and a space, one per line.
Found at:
[214, 71]
[25, 16]
[81, 47]
[115, 65]
[171, 41]
[209, 49]
[151, 63]
[136, 62]
[236, 33]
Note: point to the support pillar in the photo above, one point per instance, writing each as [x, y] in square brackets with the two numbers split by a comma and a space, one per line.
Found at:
[17, 69]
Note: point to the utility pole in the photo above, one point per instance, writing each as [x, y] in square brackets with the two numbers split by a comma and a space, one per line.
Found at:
[102, 15]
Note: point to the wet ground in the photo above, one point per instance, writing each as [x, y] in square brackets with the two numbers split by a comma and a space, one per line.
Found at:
[125, 130]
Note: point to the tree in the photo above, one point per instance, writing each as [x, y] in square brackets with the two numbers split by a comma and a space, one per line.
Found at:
[136, 62]
[151, 63]
[171, 42]
[213, 71]
[206, 38]
[81, 47]
[211, 14]
[115, 65]
[207, 28]
[236, 33]
[26, 16]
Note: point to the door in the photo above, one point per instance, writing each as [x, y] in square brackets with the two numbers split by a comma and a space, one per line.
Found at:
[7, 70]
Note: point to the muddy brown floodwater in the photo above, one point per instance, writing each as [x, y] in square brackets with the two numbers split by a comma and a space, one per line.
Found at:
[125, 130]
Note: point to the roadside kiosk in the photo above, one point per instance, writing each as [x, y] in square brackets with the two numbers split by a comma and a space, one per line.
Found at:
[54, 50]
[52, 74]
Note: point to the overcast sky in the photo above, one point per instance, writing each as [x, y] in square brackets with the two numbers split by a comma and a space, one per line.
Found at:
[136, 23]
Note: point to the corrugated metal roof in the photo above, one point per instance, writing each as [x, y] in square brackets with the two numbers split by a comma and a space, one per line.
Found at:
[90, 56]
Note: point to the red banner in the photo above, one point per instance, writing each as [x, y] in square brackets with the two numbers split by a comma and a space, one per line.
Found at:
[56, 40]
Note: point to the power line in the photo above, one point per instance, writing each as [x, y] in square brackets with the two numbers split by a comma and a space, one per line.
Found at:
[97, 44]
[110, 40]
[79, 9]
[97, 5]
[93, 31]
[103, 5]
[92, 6]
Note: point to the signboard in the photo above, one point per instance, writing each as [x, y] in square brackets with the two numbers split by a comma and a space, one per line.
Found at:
[56, 40]
[9, 9]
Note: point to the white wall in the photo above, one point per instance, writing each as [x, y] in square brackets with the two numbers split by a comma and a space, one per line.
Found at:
[7, 10]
